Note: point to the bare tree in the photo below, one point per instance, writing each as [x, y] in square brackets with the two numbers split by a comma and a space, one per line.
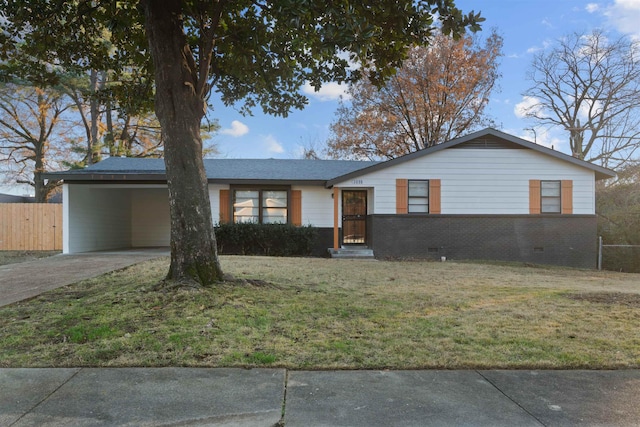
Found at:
[31, 136]
[438, 94]
[110, 128]
[589, 85]
[84, 93]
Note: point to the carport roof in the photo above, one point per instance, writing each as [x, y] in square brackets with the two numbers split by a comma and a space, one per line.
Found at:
[218, 170]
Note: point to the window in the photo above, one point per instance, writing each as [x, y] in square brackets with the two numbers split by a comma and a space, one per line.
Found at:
[260, 206]
[274, 207]
[418, 196]
[550, 200]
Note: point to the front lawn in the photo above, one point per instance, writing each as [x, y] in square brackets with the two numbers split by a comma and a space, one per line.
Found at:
[308, 313]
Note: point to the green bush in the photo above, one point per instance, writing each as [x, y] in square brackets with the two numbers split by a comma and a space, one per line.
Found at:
[265, 239]
[621, 259]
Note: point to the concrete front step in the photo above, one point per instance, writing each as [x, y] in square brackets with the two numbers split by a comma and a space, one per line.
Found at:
[352, 253]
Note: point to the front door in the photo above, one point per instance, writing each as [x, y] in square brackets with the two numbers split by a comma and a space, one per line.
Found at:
[354, 217]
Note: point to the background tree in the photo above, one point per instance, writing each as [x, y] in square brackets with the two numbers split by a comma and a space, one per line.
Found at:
[113, 124]
[618, 209]
[260, 52]
[84, 93]
[589, 85]
[32, 136]
[438, 94]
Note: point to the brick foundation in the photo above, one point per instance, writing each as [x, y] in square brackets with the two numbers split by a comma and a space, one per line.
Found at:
[568, 240]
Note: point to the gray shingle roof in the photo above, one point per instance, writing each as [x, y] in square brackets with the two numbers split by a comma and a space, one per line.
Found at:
[223, 170]
[287, 171]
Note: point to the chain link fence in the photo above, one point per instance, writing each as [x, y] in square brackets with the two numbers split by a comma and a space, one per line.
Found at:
[625, 258]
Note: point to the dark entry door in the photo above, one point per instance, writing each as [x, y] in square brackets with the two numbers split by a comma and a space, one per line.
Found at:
[354, 217]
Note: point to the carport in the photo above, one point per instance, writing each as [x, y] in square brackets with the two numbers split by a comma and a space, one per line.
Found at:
[98, 217]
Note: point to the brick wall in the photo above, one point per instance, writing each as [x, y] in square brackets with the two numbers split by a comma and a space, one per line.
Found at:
[323, 243]
[568, 240]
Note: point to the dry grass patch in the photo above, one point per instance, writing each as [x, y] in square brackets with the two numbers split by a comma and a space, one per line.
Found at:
[12, 257]
[319, 313]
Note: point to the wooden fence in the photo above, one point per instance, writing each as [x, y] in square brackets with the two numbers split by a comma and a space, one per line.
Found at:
[30, 226]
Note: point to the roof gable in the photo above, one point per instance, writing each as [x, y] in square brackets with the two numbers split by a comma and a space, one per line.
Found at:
[484, 139]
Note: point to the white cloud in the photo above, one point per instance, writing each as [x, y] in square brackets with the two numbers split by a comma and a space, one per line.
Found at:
[236, 130]
[550, 138]
[624, 15]
[546, 138]
[529, 104]
[589, 109]
[272, 145]
[298, 152]
[547, 23]
[331, 91]
[534, 49]
[592, 7]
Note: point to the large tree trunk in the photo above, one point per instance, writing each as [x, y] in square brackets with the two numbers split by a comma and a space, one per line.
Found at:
[194, 256]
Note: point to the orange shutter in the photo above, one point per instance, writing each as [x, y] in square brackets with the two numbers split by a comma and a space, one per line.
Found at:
[402, 196]
[567, 197]
[296, 207]
[225, 208]
[434, 196]
[534, 196]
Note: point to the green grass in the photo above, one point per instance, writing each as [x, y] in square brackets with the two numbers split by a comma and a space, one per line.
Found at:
[329, 314]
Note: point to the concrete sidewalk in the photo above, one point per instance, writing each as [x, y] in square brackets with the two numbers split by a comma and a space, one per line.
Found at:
[28, 279]
[268, 397]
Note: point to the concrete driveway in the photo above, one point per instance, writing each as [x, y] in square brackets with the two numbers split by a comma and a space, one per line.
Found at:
[28, 279]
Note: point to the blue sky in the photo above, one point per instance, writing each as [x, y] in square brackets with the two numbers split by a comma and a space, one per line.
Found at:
[527, 27]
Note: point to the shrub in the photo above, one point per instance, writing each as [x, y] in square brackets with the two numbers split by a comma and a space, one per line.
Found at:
[265, 239]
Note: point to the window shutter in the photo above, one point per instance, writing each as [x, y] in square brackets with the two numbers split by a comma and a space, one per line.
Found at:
[567, 197]
[534, 197]
[402, 196]
[296, 207]
[225, 208]
[434, 196]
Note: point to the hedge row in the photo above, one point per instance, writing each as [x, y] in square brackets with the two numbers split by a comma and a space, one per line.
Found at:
[265, 239]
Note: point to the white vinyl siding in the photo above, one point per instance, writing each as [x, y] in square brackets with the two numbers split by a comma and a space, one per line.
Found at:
[317, 205]
[480, 181]
[96, 218]
[151, 225]
[214, 200]
[114, 216]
